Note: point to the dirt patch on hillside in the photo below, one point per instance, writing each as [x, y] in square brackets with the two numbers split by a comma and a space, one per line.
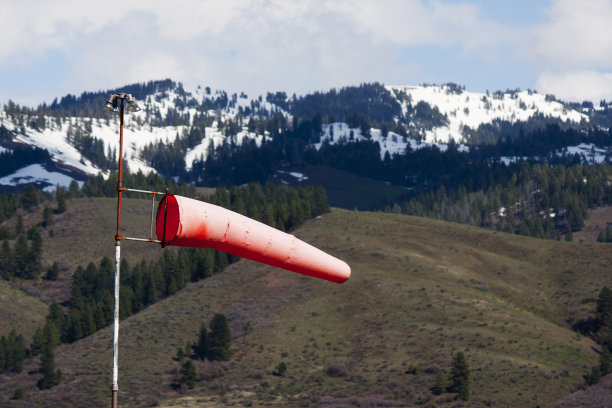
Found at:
[596, 221]
[597, 396]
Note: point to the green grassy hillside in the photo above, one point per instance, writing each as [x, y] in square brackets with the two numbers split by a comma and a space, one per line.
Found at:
[420, 290]
[20, 310]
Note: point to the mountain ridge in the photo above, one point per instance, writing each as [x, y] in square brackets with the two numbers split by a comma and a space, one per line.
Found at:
[82, 139]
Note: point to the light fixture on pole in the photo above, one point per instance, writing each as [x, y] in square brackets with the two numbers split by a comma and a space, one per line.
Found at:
[118, 103]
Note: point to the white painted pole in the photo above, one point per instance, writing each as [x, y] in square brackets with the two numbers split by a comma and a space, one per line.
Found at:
[116, 325]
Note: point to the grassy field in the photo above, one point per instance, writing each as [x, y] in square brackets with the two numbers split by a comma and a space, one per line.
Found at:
[420, 291]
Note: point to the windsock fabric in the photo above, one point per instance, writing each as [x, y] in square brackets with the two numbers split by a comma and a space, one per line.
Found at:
[193, 223]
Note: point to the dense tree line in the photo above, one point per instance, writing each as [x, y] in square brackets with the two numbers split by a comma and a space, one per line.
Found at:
[532, 199]
[99, 186]
[427, 168]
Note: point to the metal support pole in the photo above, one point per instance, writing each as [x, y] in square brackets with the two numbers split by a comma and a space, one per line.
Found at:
[115, 386]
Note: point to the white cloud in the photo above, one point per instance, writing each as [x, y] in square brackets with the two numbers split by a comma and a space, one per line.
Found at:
[573, 48]
[577, 36]
[577, 86]
[256, 45]
[413, 22]
[292, 45]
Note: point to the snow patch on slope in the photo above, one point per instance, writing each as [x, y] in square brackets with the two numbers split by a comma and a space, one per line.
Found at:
[36, 173]
[393, 143]
[472, 109]
[589, 153]
[214, 138]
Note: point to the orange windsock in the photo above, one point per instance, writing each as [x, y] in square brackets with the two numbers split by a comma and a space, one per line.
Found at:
[186, 222]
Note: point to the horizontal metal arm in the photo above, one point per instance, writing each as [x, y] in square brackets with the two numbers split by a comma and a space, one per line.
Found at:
[140, 191]
[155, 241]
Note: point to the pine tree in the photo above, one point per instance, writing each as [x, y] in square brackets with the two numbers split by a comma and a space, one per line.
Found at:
[201, 347]
[593, 377]
[189, 375]
[53, 272]
[35, 255]
[19, 229]
[30, 197]
[604, 306]
[282, 368]
[219, 339]
[19, 353]
[51, 377]
[56, 315]
[3, 354]
[7, 264]
[37, 341]
[12, 352]
[460, 376]
[221, 260]
[73, 190]
[60, 195]
[18, 394]
[47, 216]
[21, 257]
[605, 361]
[440, 384]
[51, 336]
[150, 291]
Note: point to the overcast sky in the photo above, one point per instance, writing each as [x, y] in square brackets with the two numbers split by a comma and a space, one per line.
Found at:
[51, 48]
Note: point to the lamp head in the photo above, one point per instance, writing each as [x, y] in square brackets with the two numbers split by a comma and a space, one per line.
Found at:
[132, 106]
[111, 104]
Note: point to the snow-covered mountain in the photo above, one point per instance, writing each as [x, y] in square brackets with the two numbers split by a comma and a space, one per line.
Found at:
[421, 116]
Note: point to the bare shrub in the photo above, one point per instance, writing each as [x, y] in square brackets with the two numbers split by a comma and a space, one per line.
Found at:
[431, 369]
[371, 401]
[258, 375]
[338, 369]
[209, 370]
